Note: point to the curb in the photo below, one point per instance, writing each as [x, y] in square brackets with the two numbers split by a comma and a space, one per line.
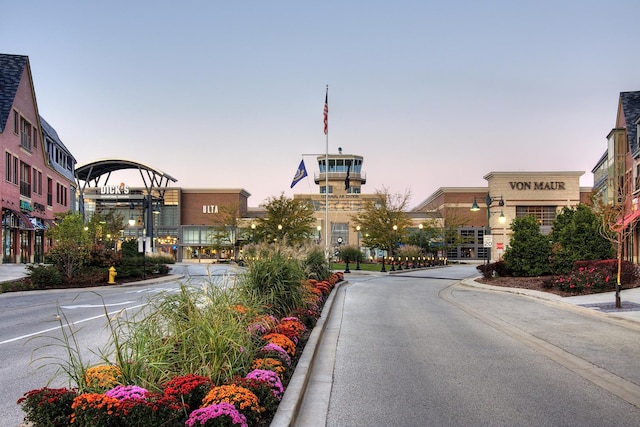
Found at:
[292, 400]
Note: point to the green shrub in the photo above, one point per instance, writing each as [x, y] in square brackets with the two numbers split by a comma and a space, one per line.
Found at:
[44, 276]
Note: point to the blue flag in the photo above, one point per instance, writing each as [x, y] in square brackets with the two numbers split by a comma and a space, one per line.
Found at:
[300, 173]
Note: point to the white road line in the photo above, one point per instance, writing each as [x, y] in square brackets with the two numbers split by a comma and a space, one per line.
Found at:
[61, 326]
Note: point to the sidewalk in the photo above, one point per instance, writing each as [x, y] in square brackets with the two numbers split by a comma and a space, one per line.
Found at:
[10, 272]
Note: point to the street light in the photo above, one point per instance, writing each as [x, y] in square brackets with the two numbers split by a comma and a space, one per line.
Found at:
[393, 247]
[253, 233]
[358, 258]
[319, 228]
[420, 226]
[488, 241]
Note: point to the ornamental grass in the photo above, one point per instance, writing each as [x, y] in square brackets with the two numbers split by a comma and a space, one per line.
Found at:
[194, 331]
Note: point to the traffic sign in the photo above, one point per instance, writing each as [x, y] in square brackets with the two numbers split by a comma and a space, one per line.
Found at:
[487, 241]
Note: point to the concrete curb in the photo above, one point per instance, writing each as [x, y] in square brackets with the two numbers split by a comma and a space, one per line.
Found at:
[292, 400]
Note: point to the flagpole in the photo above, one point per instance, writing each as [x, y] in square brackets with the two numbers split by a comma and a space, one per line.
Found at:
[326, 177]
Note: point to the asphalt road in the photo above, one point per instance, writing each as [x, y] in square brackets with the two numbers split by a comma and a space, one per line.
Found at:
[419, 349]
[32, 336]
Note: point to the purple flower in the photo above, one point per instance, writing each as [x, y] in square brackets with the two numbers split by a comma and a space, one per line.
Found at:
[124, 392]
[271, 347]
[270, 378]
[217, 410]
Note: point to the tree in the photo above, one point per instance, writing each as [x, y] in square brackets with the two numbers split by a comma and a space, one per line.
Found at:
[424, 238]
[378, 218]
[529, 250]
[104, 226]
[287, 219]
[576, 236]
[617, 228]
[453, 219]
[224, 232]
[70, 251]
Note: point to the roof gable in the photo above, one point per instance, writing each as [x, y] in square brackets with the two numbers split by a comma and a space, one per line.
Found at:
[11, 70]
[630, 106]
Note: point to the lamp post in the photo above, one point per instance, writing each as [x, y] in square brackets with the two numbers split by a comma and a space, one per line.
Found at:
[319, 228]
[393, 248]
[487, 238]
[253, 233]
[360, 253]
[420, 227]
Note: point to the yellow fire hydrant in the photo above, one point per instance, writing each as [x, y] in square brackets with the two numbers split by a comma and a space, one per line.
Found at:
[112, 276]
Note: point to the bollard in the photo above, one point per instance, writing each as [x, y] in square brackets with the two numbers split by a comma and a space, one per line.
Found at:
[112, 276]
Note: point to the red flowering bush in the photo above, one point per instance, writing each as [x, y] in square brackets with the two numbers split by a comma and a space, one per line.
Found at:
[190, 389]
[155, 409]
[584, 280]
[48, 406]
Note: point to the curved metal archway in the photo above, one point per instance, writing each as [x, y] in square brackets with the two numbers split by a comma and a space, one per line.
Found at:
[153, 179]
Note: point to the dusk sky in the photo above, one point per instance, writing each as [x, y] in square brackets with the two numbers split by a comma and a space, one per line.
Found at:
[230, 94]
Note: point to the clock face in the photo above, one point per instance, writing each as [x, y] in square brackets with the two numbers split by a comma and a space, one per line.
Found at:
[339, 239]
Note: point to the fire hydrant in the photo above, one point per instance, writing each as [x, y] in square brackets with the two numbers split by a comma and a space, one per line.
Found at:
[112, 276]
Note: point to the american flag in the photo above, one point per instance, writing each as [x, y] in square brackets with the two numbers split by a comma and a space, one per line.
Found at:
[326, 112]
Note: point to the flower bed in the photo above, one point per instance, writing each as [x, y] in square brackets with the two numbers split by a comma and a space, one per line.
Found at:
[106, 398]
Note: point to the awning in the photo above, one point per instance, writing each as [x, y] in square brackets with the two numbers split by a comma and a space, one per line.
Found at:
[628, 219]
[37, 223]
[25, 222]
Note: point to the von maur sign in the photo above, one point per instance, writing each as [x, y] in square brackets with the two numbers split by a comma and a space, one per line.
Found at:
[541, 185]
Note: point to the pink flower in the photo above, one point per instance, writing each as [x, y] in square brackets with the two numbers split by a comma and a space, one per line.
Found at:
[199, 417]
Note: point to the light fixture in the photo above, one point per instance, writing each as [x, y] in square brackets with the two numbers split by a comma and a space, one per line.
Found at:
[156, 209]
[502, 219]
[474, 206]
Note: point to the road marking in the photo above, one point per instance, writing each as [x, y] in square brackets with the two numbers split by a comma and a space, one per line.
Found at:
[73, 307]
[624, 389]
[43, 331]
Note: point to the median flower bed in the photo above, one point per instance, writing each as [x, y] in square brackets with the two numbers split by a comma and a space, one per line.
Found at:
[220, 356]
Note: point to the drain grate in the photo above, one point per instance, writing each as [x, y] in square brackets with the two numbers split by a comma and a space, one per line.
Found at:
[610, 307]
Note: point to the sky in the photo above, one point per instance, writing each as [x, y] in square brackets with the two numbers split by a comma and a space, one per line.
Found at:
[230, 94]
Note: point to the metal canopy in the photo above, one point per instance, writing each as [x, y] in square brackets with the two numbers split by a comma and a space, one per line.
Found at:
[91, 173]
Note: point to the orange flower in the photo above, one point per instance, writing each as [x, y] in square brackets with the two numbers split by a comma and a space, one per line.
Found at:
[282, 341]
[103, 376]
[269, 364]
[242, 398]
